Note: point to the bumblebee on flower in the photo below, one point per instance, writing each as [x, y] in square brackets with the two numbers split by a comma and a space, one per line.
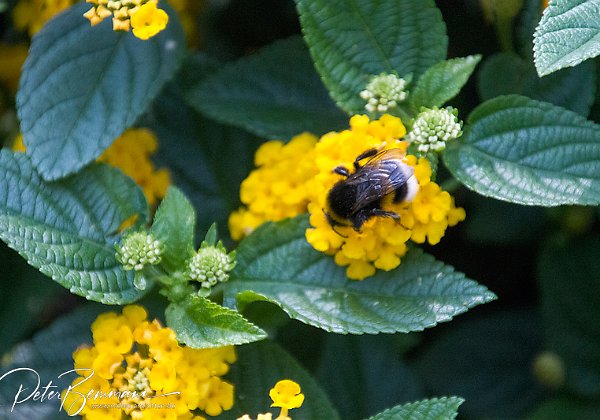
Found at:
[372, 234]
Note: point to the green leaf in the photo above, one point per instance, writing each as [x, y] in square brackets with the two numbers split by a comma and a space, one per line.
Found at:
[68, 229]
[505, 73]
[82, 86]
[442, 82]
[528, 152]
[208, 161]
[258, 368]
[475, 358]
[432, 409]
[568, 33]
[351, 41]
[352, 368]
[275, 93]
[173, 225]
[211, 235]
[570, 296]
[49, 353]
[313, 289]
[200, 323]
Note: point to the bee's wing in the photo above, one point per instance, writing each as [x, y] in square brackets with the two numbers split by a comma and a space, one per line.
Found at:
[377, 179]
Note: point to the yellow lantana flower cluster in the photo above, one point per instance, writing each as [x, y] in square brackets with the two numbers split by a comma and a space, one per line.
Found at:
[142, 15]
[131, 153]
[382, 241]
[137, 370]
[277, 188]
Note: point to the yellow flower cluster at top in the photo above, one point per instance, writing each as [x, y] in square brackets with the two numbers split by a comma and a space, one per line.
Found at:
[131, 154]
[137, 370]
[142, 15]
[309, 176]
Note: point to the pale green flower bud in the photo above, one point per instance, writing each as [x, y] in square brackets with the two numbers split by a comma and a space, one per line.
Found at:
[384, 92]
[433, 128]
[137, 250]
[211, 265]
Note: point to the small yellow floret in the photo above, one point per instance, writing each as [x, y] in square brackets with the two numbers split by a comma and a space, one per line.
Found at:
[148, 21]
[286, 394]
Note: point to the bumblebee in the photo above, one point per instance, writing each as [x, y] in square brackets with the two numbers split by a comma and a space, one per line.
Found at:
[384, 178]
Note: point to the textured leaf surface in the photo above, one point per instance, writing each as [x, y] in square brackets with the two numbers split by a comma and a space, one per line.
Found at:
[350, 41]
[570, 289]
[572, 88]
[200, 323]
[433, 409]
[68, 229]
[258, 368]
[442, 82]
[568, 33]
[82, 86]
[528, 152]
[174, 224]
[313, 289]
[275, 93]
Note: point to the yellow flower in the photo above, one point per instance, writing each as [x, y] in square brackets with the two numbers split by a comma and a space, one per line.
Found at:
[142, 15]
[31, 15]
[381, 242]
[277, 188]
[286, 394]
[12, 58]
[131, 153]
[148, 21]
[135, 364]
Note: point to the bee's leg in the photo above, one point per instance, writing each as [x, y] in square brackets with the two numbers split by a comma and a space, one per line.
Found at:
[341, 170]
[364, 155]
[383, 213]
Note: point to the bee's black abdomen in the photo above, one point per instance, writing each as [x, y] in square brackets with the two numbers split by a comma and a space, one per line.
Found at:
[341, 199]
[400, 193]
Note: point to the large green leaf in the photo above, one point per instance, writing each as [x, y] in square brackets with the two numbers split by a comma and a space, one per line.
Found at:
[506, 73]
[570, 290]
[82, 86]
[207, 160]
[476, 359]
[313, 289]
[568, 33]
[275, 93]
[174, 224]
[350, 41]
[433, 409]
[200, 323]
[528, 152]
[68, 229]
[442, 82]
[49, 353]
[258, 368]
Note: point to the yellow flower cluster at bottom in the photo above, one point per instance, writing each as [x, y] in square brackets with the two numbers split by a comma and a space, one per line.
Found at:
[137, 370]
[309, 177]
